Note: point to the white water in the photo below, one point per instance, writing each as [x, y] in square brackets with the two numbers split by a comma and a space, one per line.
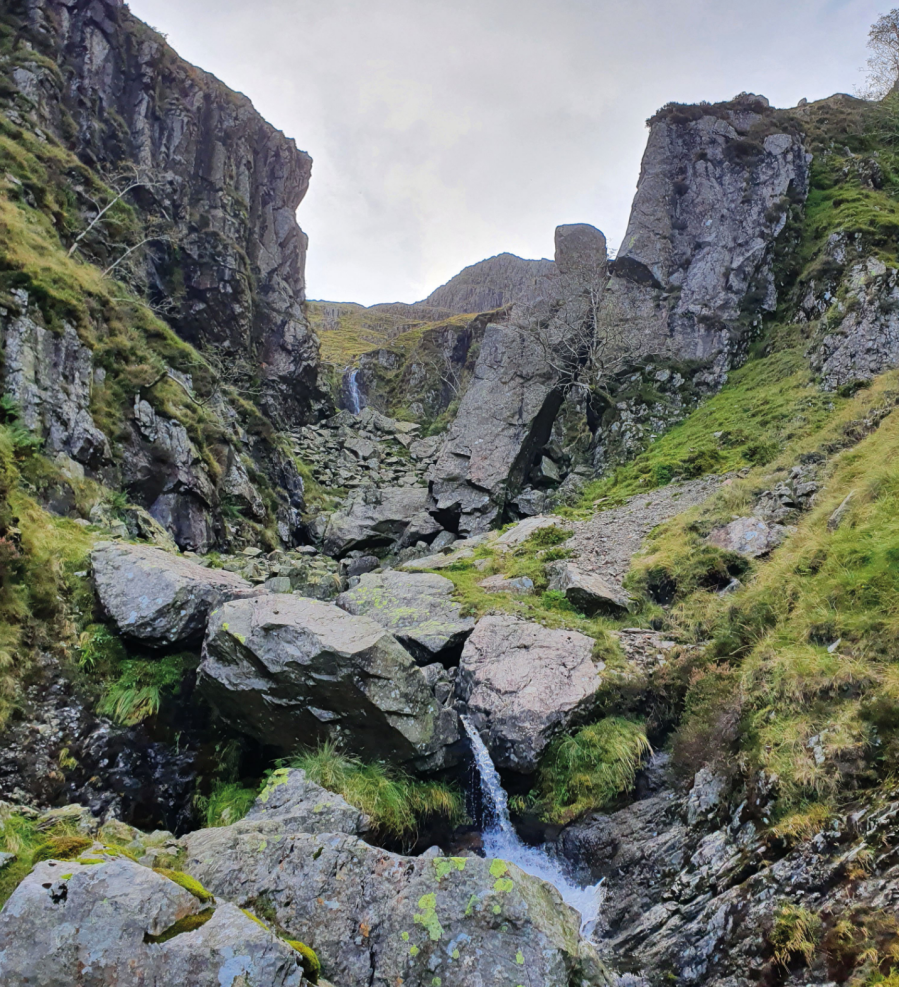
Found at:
[501, 840]
[355, 399]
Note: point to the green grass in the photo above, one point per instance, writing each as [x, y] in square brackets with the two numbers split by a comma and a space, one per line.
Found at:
[227, 802]
[396, 804]
[795, 934]
[589, 769]
[140, 687]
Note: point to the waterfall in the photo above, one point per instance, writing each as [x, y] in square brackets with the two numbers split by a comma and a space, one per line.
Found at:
[501, 840]
[354, 399]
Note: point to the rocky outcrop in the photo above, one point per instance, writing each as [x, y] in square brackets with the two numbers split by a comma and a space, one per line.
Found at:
[292, 671]
[159, 599]
[102, 920]
[228, 181]
[491, 284]
[378, 917]
[694, 272]
[416, 608]
[380, 518]
[521, 684]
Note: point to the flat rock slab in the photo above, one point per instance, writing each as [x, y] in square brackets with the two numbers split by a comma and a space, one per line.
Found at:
[70, 923]
[749, 536]
[523, 684]
[417, 608]
[157, 598]
[380, 517]
[517, 585]
[375, 917]
[587, 591]
[292, 671]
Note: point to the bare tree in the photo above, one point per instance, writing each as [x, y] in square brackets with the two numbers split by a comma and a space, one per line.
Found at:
[883, 63]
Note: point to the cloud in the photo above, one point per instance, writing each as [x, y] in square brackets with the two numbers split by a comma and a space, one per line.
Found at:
[445, 131]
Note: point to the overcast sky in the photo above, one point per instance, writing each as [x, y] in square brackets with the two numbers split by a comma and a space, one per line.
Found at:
[446, 131]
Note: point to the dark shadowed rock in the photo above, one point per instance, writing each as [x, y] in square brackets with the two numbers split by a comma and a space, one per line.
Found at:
[291, 671]
[378, 917]
[416, 607]
[522, 684]
[160, 599]
[94, 925]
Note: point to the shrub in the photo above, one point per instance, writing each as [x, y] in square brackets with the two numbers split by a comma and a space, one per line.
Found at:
[590, 768]
[396, 804]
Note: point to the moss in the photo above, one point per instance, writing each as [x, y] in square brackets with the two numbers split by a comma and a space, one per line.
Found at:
[312, 968]
[190, 923]
[187, 882]
[61, 848]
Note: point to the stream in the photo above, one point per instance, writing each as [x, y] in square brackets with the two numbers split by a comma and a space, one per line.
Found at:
[354, 399]
[501, 840]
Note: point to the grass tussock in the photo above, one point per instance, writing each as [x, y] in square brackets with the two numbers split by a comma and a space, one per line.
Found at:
[589, 769]
[226, 803]
[396, 804]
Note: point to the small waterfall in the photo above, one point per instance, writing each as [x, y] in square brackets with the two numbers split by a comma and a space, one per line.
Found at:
[354, 398]
[501, 840]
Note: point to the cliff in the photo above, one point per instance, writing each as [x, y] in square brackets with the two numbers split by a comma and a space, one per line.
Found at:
[491, 284]
[232, 265]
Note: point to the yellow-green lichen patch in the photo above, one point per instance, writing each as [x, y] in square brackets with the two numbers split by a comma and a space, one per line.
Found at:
[445, 865]
[187, 882]
[65, 877]
[404, 936]
[455, 954]
[519, 958]
[503, 885]
[469, 908]
[496, 909]
[413, 950]
[498, 868]
[427, 917]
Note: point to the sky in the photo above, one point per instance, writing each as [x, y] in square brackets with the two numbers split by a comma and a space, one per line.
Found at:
[446, 131]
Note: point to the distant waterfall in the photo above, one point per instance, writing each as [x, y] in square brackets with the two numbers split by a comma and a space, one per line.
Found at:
[501, 840]
[354, 398]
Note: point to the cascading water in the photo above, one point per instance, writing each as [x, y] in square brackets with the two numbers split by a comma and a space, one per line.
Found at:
[501, 840]
[354, 398]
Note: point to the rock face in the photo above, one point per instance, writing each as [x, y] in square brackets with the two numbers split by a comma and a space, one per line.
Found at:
[377, 917]
[380, 517]
[491, 284]
[107, 923]
[416, 608]
[159, 599]
[695, 266]
[522, 684]
[230, 182]
[291, 671]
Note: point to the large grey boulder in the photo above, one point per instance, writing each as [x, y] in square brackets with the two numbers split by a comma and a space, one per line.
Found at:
[416, 607]
[380, 517]
[94, 925]
[375, 917]
[292, 671]
[522, 684]
[715, 191]
[157, 598]
[589, 592]
[750, 536]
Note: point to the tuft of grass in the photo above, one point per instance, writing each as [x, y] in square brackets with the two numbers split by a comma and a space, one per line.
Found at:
[227, 802]
[396, 804]
[796, 933]
[137, 693]
[590, 768]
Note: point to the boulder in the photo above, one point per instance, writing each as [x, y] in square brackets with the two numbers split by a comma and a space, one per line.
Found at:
[519, 585]
[380, 517]
[382, 918]
[417, 608]
[587, 591]
[524, 529]
[749, 536]
[292, 671]
[115, 922]
[522, 684]
[159, 599]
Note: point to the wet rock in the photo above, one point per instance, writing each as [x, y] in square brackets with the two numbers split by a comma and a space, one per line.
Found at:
[522, 684]
[290, 671]
[587, 591]
[159, 599]
[385, 517]
[377, 916]
[99, 924]
[749, 536]
[417, 608]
